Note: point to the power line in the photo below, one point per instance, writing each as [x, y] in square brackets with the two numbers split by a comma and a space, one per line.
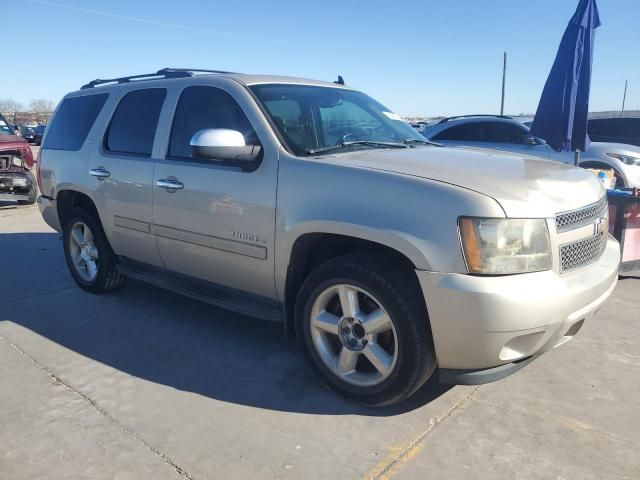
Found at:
[148, 21]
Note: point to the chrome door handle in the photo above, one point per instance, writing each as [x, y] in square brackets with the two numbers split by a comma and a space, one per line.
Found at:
[99, 173]
[169, 184]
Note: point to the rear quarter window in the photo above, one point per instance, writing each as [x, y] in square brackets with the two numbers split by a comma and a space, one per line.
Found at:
[73, 121]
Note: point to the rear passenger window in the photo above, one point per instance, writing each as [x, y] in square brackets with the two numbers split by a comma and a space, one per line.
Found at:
[73, 121]
[133, 126]
[202, 107]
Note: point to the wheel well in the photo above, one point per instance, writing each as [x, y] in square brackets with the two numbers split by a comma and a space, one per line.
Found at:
[313, 249]
[67, 200]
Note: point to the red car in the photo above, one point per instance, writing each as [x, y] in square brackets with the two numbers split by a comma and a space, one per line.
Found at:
[17, 181]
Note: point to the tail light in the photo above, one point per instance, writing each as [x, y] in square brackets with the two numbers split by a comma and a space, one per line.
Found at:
[38, 179]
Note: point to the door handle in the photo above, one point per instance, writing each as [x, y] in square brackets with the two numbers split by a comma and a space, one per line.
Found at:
[169, 184]
[99, 173]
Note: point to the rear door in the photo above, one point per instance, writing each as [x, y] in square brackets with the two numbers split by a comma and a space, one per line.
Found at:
[121, 174]
[219, 226]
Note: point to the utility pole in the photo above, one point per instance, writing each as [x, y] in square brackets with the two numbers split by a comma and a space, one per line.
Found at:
[624, 97]
[504, 80]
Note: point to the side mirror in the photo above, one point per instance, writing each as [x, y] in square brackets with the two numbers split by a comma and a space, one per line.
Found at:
[224, 145]
[528, 139]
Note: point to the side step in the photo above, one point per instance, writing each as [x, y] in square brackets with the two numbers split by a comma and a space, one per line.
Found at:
[224, 297]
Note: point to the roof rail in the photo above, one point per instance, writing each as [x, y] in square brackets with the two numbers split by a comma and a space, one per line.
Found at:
[163, 73]
[446, 119]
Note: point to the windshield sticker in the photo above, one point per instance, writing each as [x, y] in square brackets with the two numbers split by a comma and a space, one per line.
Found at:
[3, 123]
[393, 116]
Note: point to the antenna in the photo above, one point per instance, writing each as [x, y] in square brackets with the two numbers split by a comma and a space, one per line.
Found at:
[340, 80]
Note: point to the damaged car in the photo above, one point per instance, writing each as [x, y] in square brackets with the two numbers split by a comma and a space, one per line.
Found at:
[17, 181]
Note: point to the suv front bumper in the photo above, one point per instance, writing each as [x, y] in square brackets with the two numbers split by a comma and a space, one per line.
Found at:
[485, 328]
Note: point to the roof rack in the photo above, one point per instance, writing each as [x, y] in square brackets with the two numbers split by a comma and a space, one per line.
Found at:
[163, 73]
[446, 119]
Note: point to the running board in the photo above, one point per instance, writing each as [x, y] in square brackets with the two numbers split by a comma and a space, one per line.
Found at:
[224, 297]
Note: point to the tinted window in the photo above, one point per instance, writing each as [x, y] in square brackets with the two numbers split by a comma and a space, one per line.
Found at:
[503, 132]
[135, 121]
[73, 120]
[206, 107]
[469, 132]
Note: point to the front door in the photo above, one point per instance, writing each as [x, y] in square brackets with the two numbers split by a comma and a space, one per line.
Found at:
[121, 168]
[219, 223]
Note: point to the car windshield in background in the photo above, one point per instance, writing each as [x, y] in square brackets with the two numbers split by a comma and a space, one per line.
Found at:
[5, 129]
[313, 119]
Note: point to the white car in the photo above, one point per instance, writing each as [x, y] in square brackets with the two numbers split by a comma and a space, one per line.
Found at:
[504, 133]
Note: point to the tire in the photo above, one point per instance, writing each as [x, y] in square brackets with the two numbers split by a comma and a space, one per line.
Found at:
[99, 273]
[380, 287]
[33, 193]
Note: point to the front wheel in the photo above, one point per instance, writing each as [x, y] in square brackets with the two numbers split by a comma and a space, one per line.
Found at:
[364, 329]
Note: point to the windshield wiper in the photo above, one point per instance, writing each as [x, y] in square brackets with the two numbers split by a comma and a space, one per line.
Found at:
[413, 141]
[370, 143]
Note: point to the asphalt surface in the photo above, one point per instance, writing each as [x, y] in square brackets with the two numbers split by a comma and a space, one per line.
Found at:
[144, 383]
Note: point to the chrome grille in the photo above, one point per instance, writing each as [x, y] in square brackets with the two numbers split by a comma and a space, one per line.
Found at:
[582, 252]
[582, 216]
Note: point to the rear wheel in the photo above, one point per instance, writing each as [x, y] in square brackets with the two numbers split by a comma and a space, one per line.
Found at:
[89, 257]
[365, 330]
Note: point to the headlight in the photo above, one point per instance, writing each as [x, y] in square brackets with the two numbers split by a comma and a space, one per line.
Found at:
[17, 161]
[503, 246]
[628, 159]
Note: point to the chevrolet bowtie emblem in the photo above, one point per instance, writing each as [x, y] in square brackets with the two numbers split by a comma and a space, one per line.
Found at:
[601, 226]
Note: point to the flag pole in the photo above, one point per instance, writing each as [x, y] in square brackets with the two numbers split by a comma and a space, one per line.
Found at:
[624, 97]
[504, 79]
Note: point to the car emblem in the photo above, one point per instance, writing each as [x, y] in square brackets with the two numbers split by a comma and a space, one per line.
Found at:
[601, 227]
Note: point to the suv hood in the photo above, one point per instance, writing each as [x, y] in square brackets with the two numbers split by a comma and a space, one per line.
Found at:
[523, 186]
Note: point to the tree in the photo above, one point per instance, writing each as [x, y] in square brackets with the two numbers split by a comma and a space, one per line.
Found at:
[42, 108]
[41, 105]
[10, 107]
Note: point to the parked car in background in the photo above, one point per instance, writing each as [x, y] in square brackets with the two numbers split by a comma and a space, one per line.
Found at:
[504, 133]
[618, 130]
[38, 133]
[309, 203]
[26, 133]
[17, 182]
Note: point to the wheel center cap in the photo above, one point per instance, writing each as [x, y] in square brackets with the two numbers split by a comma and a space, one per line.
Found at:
[352, 334]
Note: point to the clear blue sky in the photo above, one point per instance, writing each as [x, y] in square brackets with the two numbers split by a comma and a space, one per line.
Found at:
[418, 57]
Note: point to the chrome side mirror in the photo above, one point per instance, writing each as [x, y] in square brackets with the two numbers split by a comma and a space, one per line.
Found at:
[223, 145]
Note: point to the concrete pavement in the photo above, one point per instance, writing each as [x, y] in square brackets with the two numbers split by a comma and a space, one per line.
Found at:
[147, 384]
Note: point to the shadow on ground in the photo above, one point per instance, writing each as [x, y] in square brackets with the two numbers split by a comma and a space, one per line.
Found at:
[165, 338]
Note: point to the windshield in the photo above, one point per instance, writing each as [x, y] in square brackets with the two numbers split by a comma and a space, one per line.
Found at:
[312, 119]
[5, 129]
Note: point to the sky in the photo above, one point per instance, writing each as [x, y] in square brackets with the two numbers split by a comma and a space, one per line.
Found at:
[427, 58]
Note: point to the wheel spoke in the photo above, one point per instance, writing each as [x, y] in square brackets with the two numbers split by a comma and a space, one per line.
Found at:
[326, 322]
[378, 357]
[347, 361]
[93, 251]
[77, 237]
[377, 321]
[349, 301]
[88, 236]
[92, 268]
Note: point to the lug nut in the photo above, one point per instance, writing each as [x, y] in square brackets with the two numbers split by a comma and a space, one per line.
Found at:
[353, 342]
[350, 320]
[364, 342]
[346, 330]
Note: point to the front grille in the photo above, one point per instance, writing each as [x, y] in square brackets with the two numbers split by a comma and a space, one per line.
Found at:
[582, 252]
[582, 216]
